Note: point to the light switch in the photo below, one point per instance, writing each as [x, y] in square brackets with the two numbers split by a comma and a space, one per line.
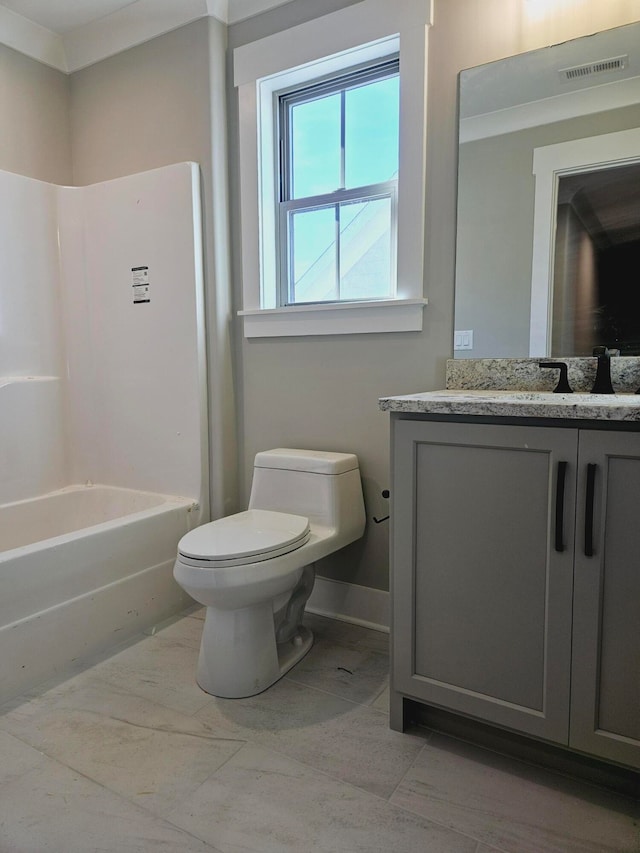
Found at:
[463, 339]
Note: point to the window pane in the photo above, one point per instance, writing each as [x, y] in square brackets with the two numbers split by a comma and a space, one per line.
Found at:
[315, 140]
[365, 249]
[312, 235]
[371, 133]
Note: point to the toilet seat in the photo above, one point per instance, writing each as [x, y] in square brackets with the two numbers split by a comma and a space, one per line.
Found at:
[246, 537]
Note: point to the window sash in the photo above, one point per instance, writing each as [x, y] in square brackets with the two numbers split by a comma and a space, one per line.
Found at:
[360, 76]
[286, 206]
[374, 192]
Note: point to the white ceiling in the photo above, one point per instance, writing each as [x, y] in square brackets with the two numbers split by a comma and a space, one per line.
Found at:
[71, 34]
[61, 16]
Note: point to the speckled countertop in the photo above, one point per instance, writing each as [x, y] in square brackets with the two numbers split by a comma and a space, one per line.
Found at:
[520, 404]
[519, 388]
[524, 374]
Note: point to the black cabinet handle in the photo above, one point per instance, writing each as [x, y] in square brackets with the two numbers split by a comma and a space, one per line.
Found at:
[560, 478]
[588, 509]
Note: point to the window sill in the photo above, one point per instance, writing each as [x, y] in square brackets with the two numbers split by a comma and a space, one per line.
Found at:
[344, 318]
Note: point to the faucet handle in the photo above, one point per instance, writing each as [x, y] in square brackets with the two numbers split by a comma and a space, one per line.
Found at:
[602, 384]
[563, 386]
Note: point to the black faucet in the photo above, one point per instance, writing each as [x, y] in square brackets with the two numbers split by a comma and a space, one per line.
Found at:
[603, 385]
[563, 386]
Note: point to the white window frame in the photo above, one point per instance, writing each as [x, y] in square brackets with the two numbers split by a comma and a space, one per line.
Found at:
[365, 31]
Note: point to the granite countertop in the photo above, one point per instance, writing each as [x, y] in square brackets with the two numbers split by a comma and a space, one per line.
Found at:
[510, 387]
[525, 374]
[522, 404]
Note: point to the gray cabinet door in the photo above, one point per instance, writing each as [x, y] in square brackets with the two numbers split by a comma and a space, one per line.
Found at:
[481, 571]
[605, 707]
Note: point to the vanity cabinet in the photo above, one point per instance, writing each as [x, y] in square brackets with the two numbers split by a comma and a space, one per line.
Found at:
[516, 578]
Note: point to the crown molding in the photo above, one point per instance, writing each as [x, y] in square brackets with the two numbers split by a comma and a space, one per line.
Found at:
[32, 40]
[610, 96]
[134, 24]
[240, 10]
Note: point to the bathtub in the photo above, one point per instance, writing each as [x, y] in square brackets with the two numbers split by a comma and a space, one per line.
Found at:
[82, 570]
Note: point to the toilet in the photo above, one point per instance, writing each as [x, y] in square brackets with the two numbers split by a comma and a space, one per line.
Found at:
[254, 570]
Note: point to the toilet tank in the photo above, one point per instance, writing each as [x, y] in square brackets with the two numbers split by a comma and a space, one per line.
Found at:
[323, 486]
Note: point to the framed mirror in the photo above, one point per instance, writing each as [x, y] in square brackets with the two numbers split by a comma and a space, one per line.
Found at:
[548, 236]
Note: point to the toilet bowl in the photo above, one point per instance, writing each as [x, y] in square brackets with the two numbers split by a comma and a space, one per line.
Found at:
[254, 570]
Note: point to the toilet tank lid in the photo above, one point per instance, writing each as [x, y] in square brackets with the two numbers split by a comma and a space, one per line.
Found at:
[312, 461]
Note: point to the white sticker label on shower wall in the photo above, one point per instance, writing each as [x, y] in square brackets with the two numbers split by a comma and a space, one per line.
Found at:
[140, 282]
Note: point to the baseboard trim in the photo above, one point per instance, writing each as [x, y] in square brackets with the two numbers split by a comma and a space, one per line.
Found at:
[348, 602]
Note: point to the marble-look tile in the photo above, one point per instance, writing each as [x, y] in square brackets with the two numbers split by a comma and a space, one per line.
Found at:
[76, 668]
[17, 759]
[352, 673]
[346, 634]
[48, 808]
[159, 668]
[148, 753]
[347, 660]
[313, 775]
[382, 702]
[351, 742]
[513, 806]
[187, 630]
[262, 802]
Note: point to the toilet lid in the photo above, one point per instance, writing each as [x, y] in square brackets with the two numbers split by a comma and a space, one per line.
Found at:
[246, 536]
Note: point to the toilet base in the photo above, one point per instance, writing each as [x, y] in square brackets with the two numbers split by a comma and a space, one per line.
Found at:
[239, 656]
[290, 653]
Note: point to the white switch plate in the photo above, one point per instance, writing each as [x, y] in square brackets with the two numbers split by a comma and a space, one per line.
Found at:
[463, 339]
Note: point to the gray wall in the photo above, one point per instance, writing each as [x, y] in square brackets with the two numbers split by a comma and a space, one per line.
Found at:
[322, 392]
[163, 102]
[34, 105]
[159, 103]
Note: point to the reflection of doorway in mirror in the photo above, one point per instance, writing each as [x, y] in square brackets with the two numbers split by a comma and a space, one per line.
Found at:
[618, 267]
[597, 255]
[586, 228]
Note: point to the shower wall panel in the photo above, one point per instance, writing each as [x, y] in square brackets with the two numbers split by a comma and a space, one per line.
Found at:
[102, 346]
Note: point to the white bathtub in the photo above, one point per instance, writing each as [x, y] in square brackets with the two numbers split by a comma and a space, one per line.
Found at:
[82, 570]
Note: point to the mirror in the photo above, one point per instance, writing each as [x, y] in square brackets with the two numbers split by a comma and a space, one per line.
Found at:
[549, 201]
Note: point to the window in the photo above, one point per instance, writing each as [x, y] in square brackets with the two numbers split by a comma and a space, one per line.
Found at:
[338, 248]
[338, 178]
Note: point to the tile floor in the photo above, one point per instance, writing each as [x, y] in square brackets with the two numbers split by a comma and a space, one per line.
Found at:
[130, 755]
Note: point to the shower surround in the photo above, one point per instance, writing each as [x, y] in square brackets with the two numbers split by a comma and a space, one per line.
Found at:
[102, 381]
